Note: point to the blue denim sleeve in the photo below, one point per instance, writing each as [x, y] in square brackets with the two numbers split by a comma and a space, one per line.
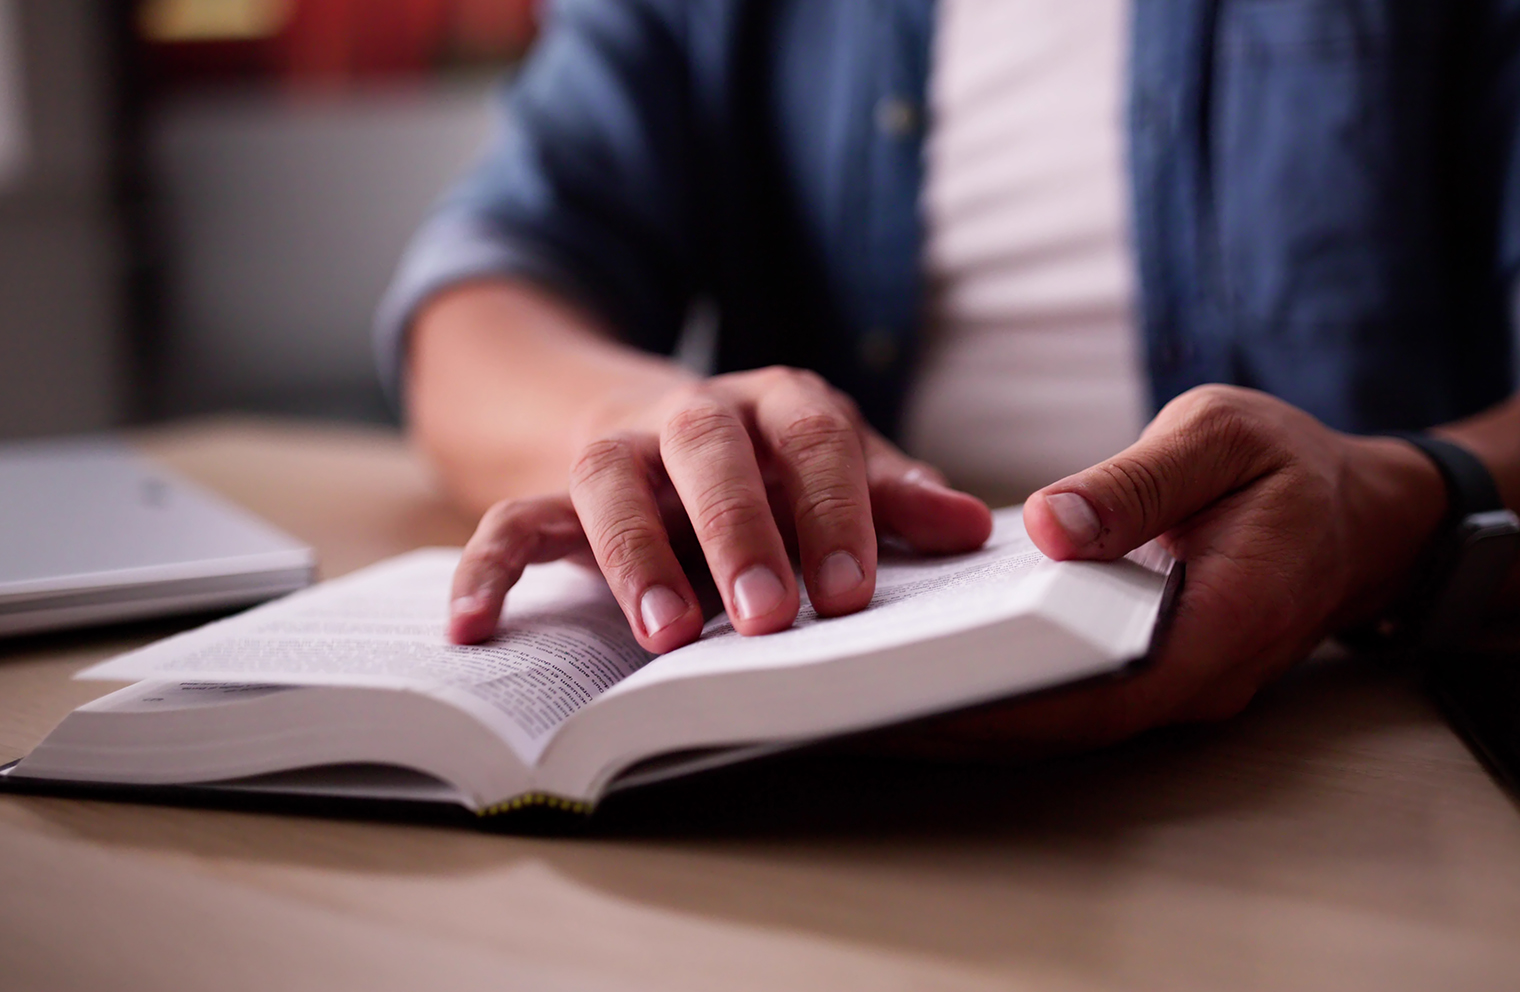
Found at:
[1496, 126]
[584, 186]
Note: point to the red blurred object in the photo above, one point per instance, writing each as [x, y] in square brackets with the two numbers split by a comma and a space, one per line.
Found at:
[483, 28]
[335, 40]
[329, 44]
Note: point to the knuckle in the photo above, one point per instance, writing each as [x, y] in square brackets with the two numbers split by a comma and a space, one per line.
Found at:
[787, 375]
[503, 525]
[1140, 485]
[774, 375]
[1223, 433]
[1216, 394]
[790, 380]
[830, 508]
[726, 508]
[626, 545]
[498, 516]
[600, 458]
[814, 434]
[698, 392]
[501, 531]
[809, 380]
[1229, 420]
[1213, 399]
[699, 420]
[1217, 410]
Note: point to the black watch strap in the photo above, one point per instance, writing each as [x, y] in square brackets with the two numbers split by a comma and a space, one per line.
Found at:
[1469, 486]
[1472, 555]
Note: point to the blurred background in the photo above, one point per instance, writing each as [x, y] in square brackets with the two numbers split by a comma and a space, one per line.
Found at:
[202, 200]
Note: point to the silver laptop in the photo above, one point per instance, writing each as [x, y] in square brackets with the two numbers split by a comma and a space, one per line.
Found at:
[91, 533]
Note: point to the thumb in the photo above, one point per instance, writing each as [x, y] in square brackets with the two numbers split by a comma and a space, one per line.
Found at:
[1186, 460]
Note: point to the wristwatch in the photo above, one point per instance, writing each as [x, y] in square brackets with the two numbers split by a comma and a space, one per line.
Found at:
[1472, 555]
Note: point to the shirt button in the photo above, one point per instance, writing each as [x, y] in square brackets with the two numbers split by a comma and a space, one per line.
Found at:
[878, 349]
[896, 117]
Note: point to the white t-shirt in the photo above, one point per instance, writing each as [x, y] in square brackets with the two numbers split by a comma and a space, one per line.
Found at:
[1030, 369]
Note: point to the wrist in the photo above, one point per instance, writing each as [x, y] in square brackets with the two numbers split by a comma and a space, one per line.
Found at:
[1475, 548]
[1494, 438]
[1397, 503]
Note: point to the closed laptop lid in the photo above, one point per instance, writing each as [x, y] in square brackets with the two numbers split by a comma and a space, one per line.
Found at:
[91, 514]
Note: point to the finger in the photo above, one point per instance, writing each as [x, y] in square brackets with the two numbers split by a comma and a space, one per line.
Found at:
[1256, 599]
[910, 500]
[1215, 658]
[511, 536]
[1236, 626]
[1206, 670]
[711, 461]
[815, 451]
[1203, 446]
[615, 501]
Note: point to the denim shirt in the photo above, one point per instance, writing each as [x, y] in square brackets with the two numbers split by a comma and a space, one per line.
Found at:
[1325, 193]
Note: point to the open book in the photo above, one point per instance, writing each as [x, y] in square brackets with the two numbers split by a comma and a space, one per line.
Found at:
[349, 689]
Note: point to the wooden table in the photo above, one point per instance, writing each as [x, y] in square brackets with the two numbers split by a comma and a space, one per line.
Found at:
[1338, 836]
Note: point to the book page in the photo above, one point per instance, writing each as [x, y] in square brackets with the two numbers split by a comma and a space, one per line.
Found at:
[917, 599]
[562, 643]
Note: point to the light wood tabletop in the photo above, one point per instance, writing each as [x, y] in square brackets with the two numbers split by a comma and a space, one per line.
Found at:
[1337, 836]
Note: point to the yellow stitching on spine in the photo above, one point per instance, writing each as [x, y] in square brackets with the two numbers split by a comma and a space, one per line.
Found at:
[535, 799]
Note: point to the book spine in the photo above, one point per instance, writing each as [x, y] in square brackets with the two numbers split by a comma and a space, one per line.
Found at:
[539, 800]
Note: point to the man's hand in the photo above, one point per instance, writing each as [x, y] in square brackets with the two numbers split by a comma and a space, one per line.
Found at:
[1290, 532]
[748, 463]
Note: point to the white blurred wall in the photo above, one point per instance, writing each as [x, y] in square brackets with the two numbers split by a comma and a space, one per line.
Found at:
[283, 220]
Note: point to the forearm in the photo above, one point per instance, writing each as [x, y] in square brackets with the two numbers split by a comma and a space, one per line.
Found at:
[1494, 436]
[500, 376]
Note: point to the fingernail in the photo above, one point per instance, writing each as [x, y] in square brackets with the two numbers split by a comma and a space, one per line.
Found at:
[1076, 517]
[660, 607]
[472, 603]
[757, 592]
[922, 479]
[840, 573]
